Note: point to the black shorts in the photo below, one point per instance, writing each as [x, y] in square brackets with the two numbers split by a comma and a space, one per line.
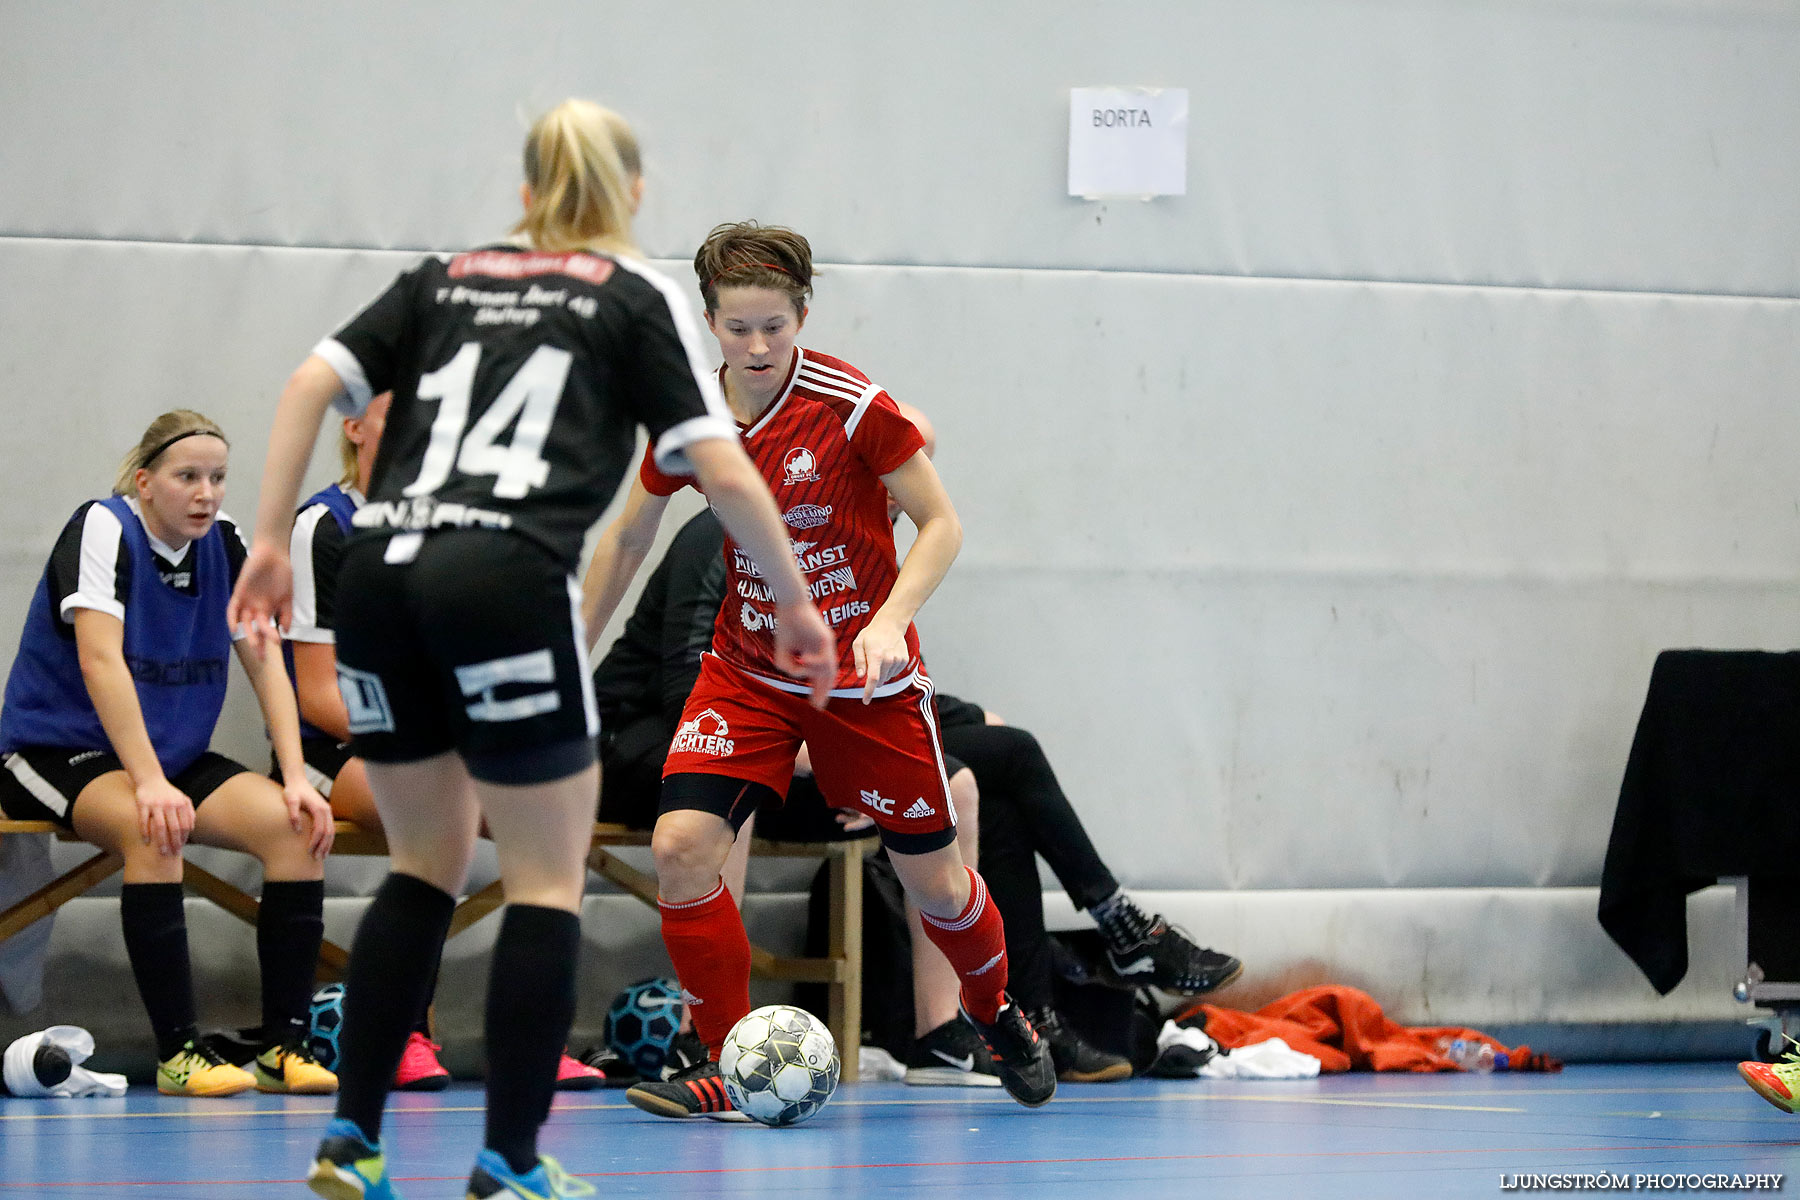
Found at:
[324, 758]
[42, 783]
[631, 763]
[473, 644]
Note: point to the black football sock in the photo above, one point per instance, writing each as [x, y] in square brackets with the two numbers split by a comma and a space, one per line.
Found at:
[156, 941]
[289, 928]
[531, 1002]
[397, 943]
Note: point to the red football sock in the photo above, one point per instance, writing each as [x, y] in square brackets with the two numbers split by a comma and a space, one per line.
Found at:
[711, 953]
[975, 943]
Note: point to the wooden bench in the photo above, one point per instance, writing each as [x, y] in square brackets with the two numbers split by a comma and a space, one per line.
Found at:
[840, 970]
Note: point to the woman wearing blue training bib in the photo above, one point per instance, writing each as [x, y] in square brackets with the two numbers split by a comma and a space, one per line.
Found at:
[109, 712]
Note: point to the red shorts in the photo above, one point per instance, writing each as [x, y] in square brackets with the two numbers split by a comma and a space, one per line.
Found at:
[881, 758]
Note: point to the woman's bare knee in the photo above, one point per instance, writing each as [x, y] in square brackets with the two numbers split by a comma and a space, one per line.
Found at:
[351, 798]
[147, 864]
[289, 858]
[937, 882]
[254, 821]
[113, 827]
[941, 897]
[689, 853]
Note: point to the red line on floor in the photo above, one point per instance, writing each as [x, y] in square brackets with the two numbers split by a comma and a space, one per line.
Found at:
[976, 1162]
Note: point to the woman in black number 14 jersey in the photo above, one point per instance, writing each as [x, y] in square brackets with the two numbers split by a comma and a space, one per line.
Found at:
[520, 372]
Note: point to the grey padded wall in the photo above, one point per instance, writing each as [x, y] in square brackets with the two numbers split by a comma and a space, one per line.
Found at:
[1561, 143]
[1323, 522]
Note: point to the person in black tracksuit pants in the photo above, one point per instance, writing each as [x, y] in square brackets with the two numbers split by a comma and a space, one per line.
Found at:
[643, 682]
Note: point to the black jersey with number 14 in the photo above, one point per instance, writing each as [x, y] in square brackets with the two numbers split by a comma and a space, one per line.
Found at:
[519, 378]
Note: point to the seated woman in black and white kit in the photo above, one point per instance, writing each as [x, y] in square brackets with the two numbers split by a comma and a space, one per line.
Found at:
[109, 710]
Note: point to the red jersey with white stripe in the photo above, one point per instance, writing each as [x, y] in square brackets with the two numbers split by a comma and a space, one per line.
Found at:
[822, 446]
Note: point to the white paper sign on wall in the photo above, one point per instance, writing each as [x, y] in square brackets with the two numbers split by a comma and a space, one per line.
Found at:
[1128, 141]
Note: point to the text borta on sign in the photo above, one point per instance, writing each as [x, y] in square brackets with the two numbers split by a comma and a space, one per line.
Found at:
[1129, 118]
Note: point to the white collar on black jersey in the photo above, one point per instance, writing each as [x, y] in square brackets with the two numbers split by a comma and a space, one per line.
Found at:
[163, 550]
[355, 494]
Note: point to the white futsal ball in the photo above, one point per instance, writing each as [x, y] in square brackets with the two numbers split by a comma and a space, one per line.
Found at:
[779, 1064]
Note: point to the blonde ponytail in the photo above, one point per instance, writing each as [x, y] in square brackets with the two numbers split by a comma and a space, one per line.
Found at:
[581, 163]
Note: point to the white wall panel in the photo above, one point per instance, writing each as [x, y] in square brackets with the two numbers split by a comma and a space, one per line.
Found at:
[1219, 424]
[1249, 733]
[1369, 577]
[1569, 143]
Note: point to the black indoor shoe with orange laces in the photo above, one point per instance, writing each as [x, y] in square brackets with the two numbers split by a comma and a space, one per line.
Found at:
[699, 1091]
[1022, 1057]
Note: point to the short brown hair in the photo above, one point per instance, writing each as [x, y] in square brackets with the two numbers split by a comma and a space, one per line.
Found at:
[745, 254]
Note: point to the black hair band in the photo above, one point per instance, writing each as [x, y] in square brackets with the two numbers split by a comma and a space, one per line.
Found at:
[154, 454]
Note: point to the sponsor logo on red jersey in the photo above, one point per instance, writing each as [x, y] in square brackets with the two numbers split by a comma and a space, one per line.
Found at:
[821, 447]
[799, 467]
[807, 516]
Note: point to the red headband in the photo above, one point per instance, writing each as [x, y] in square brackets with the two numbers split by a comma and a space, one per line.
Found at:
[745, 265]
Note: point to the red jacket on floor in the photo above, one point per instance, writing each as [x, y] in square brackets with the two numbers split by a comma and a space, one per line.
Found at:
[1346, 1030]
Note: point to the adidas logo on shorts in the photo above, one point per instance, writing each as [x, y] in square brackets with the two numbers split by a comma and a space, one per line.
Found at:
[919, 809]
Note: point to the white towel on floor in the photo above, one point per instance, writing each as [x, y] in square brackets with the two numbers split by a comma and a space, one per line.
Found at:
[1273, 1059]
[78, 1044]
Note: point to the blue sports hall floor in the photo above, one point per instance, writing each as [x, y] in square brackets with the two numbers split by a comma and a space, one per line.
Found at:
[1356, 1135]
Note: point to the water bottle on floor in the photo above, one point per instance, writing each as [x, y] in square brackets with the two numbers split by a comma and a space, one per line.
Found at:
[1475, 1057]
